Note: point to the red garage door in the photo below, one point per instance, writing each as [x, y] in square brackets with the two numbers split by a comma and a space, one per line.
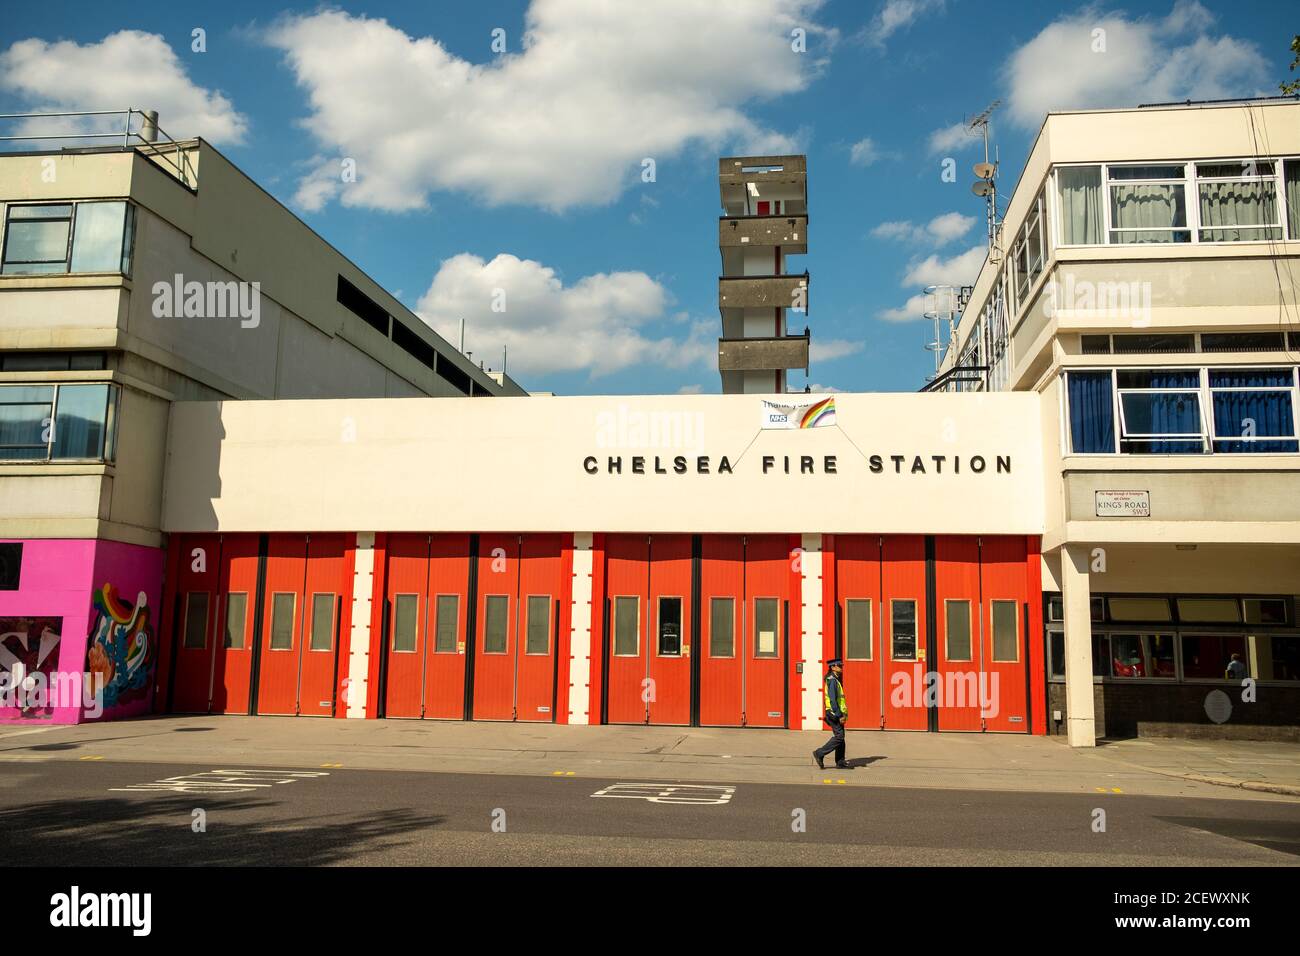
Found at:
[959, 648]
[903, 623]
[233, 671]
[858, 621]
[1004, 568]
[194, 623]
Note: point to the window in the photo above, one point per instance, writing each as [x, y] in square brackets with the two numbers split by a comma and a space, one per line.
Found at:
[1006, 647]
[1238, 201]
[11, 564]
[446, 619]
[1253, 410]
[1292, 187]
[1241, 342]
[627, 626]
[1139, 609]
[58, 422]
[236, 620]
[1092, 413]
[1056, 655]
[362, 306]
[53, 362]
[957, 630]
[496, 624]
[1266, 610]
[1148, 204]
[68, 237]
[1141, 655]
[1095, 344]
[902, 620]
[1283, 657]
[722, 627]
[282, 608]
[1160, 411]
[322, 622]
[1209, 610]
[406, 615]
[766, 627]
[196, 620]
[1079, 199]
[538, 638]
[1149, 343]
[857, 627]
[1209, 656]
[670, 627]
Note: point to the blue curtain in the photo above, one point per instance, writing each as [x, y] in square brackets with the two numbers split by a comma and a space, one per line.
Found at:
[1270, 411]
[1158, 413]
[1092, 413]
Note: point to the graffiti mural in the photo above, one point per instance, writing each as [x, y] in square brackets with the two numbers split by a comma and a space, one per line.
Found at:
[122, 648]
[29, 655]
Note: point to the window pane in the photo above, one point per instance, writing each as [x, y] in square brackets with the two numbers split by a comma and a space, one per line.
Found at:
[957, 630]
[25, 420]
[722, 627]
[766, 628]
[1092, 415]
[1210, 656]
[902, 629]
[1279, 657]
[538, 640]
[857, 627]
[1235, 211]
[1291, 185]
[1079, 194]
[1141, 344]
[196, 620]
[36, 246]
[670, 627]
[236, 620]
[1100, 655]
[627, 626]
[1148, 213]
[1139, 609]
[1126, 656]
[1056, 641]
[1209, 610]
[406, 611]
[1245, 419]
[282, 606]
[81, 420]
[496, 624]
[1005, 631]
[1170, 171]
[97, 237]
[322, 622]
[446, 621]
[59, 211]
[1266, 610]
[1161, 413]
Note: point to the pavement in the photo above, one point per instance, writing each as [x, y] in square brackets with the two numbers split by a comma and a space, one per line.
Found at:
[991, 762]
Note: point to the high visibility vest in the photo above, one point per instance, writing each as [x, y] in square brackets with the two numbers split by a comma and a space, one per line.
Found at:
[833, 693]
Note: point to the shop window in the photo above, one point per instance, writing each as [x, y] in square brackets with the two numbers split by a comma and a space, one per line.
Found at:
[857, 628]
[496, 624]
[196, 620]
[538, 640]
[322, 622]
[406, 612]
[1267, 610]
[1006, 631]
[1283, 659]
[957, 630]
[1142, 655]
[1092, 413]
[1139, 609]
[282, 608]
[627, 626]
[1209, 610]
[766, 627]
[902, 630]
[236, 620]
[1148, 204]
[670, 627]
[1254, 410]
[1238, 201]
[446, 620]
[1215, 656]
[1079, 198]
[1160, 412]
[722, 627]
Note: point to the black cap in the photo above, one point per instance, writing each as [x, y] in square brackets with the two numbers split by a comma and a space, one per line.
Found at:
[835, 662]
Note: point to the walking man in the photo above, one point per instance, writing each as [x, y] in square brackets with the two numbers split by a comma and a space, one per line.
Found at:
[837, 712]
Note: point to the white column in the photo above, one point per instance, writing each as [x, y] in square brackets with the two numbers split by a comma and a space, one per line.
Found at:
[1076, 592]
[580, 630]
[810, 695]
[363, 583]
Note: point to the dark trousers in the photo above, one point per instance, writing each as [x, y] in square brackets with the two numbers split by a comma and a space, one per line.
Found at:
[836, 742]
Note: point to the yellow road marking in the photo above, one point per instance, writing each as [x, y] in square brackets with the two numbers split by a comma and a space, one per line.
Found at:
[89, 757]
[331, 765]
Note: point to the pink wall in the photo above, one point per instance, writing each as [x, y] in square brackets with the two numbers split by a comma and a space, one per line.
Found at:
[59, 578]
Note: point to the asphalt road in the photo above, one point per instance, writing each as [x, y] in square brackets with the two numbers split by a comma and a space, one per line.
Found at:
[87, 813]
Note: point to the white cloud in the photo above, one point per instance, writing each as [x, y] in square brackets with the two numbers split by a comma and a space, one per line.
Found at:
[863, 153]
[129, 68]
[895, 15]
[691, 390]
[959, 270]
[564, 119]
[911, 309]
[1145, 60]
[601, 324]
[953, 139]
[939, 231]
[814, 387]
[827, 350]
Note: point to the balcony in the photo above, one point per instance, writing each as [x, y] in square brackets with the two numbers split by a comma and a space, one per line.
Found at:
[763, 171]
[763, 292]
[760, 354]
[789, 232]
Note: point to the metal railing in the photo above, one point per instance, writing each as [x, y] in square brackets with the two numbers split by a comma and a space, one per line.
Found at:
[162, 146]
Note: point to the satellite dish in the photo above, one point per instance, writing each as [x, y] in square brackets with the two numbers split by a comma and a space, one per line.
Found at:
[985, 170]
[981, 188]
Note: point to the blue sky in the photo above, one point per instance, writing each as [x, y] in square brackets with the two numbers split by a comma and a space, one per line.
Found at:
[478, 171]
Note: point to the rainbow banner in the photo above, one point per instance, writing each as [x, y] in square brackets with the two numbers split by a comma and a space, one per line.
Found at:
[805, 415]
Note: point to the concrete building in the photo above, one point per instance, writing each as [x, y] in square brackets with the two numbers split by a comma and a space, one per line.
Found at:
[764, 221]
[1144, 287]
[134, 276]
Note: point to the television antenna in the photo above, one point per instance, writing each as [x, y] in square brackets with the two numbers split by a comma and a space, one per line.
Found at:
[985, 185]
